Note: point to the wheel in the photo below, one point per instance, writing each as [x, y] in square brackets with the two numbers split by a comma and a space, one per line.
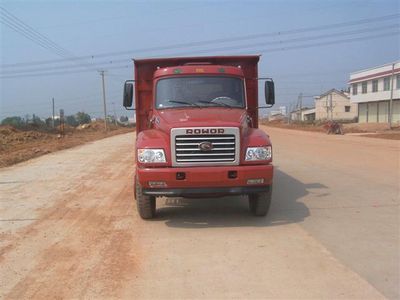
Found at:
[146, 205]
[259, 203]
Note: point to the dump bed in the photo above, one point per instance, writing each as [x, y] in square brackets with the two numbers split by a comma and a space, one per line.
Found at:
[145, 68]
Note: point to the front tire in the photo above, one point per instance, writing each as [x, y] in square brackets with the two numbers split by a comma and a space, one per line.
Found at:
[259, 203]
[146, 205]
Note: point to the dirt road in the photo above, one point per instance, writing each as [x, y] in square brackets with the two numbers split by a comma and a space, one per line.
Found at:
[69, 227]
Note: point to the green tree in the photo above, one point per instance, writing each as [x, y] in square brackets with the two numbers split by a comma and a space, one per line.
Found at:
[13, 121]
[71, 121]
[37, 121]
[82, 118]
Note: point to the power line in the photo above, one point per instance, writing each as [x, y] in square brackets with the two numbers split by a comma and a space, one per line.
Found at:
[240, 48]
[32, 34]
[278, 49]
[215, 41]
[62, 72]
[268, 50]
[69, 101]
[32, 37]
[21, 111]
[215, 49]
[66, 67]
[21, 27]
[342, 41]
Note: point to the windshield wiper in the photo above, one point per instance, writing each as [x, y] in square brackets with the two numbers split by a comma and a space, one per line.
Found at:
[215, 103]
[184, 102]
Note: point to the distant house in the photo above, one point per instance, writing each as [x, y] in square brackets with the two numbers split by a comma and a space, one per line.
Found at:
[275, 116]
[309, 114]
[334, 105]
[279, 114]
[304, 114]
[372, 89]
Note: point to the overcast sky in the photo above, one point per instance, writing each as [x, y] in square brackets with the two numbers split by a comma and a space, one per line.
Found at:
[307, 46]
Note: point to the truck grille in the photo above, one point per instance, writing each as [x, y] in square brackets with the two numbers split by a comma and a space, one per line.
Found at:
[220, 148]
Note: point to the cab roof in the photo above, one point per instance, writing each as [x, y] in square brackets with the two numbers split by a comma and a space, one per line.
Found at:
[199, 69]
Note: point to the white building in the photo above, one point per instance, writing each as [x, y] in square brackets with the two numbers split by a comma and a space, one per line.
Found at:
[334, 105]
[372, 90]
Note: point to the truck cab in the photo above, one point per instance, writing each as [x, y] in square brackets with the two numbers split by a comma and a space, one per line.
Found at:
[197, 130]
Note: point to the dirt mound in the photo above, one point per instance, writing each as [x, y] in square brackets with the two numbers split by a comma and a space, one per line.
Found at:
[9, 136]
[365, 127]
[97, 126]
[20, 145]
[295, 125]
[380, 130]
[7, 130]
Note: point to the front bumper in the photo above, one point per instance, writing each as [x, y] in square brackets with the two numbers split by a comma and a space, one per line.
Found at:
[205, 180]
[206, 192]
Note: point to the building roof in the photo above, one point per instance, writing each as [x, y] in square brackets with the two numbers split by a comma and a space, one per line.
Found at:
[302, 109]
[332, 91]
[275, 113]
[375, 72]
[373, 68]
[309, 111]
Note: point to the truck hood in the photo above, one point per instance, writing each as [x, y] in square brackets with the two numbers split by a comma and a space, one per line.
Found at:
[200, 117]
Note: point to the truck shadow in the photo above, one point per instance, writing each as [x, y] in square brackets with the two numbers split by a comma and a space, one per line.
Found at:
[233, 211]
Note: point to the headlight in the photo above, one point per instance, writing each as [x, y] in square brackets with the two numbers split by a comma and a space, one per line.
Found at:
[258, 153]
[151, 156]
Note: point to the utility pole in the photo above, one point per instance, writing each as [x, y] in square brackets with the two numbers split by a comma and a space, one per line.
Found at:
[391, 98]
[287, 107]
[52, 120]
[300, 100]
[104, 100]
[115, 115]
[327, 107]
[292, 106]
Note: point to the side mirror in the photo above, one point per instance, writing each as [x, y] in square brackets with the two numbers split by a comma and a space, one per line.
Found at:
[269, 92]
[128, 93]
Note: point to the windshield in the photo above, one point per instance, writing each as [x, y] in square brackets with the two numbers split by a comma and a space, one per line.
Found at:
[200, 91]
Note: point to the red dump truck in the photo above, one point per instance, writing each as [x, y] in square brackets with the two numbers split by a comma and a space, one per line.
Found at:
[197, 130]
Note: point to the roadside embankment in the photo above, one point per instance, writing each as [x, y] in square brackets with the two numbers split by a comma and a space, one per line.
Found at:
[20, 145]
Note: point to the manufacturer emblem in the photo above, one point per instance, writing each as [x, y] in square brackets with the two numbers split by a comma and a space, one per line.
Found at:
[205, 146]
[205, 131]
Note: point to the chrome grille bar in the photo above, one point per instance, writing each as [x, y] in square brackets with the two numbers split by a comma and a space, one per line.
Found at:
[204, 154]
[204, 160]
[202, 138]
[215, 149]
[197, 144]
[225, 147]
